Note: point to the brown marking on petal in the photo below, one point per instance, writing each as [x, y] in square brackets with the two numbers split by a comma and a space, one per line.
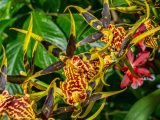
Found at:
[54, 67]
[92, 20]
[78, 73]
[150, 41]
[16, 107]
[118, 36]
[71, 46]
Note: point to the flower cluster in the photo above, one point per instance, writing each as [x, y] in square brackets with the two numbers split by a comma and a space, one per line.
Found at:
[84, 72]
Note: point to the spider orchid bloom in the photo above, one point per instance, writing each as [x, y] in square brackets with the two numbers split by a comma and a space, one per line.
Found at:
[138, 68]
[149, 41]
[15, 107]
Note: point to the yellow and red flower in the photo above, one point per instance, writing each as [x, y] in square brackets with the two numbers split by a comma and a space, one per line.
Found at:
[78, 75]
[17, 108]
[118, 36]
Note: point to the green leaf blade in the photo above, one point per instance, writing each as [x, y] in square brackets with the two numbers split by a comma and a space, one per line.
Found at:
[143, 108]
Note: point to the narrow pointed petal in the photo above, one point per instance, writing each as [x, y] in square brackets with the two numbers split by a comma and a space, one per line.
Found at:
[98, 111]
[37, 95]
[125, 45]
[130, 67]
[130, 56]
[125, 81]
[51, 48]
[16, 79]
[63, 110]
[127, 41]
[73, 27]
[48, 104]
[76, 113]
[90, 19]
[100, 95]
[71, 47]
[106, 17]
[54, 67]
[33, 55]
[88, 109]
[143, 72]
[91, 38]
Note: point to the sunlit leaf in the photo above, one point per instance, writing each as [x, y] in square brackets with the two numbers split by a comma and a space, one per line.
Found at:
[15, 57]
[45, 27]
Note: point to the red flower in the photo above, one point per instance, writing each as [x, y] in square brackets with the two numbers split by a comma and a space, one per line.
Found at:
[139, 70]
[139, 31]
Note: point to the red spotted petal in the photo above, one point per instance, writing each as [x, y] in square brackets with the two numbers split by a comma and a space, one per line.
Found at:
[141, 59]
[140, 30]
[143, 71]
[130, 56]
[125, 81]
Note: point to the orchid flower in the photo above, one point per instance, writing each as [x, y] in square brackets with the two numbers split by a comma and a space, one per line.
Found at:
[139, 69]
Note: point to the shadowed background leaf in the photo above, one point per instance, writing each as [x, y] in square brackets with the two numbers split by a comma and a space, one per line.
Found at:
[143, 108]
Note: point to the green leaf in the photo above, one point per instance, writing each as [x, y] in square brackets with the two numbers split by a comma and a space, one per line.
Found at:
[15, 56]
[43, 59]
[6, 23]
[118, 3]
[45, 27]
[8, 8]
[64, 22]
[14, 88]
[143, 108]
[50, 5]
[48, 104]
